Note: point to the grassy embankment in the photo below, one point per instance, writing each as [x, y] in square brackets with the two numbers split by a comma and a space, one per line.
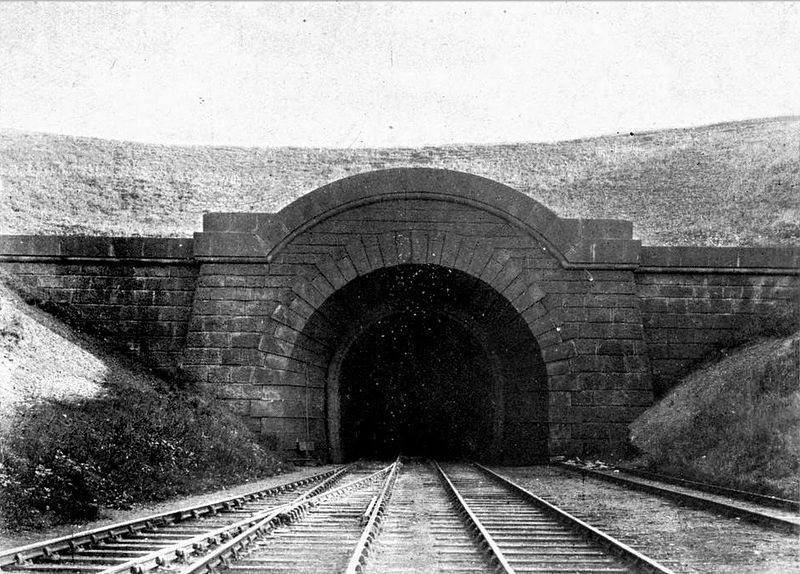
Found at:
[734, 422]
[727, 184]
[83, 428]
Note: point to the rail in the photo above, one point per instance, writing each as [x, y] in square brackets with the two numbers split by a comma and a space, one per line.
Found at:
[612, 545]
[487, 543]
[744, 495]
[286, 514]
[74, 542]
[729, 509]
[374, 517]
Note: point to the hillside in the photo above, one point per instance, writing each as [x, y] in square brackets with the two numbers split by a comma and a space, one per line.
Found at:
[727, 184]
[84, 429]
[41, 358]
[733, 422]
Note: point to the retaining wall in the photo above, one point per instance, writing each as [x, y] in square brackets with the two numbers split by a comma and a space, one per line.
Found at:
[136, 291]
[698, 300]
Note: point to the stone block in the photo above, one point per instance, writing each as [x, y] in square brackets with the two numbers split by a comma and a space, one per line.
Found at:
[39, 245]
[480, 258]
[373, 251]
[558, 367]
[201, 339]
[560, 402]
[203, 356]
[388, 247]
[279, 377]
[242, 357]
[291, 402]
[435, 244]
[332, 274]
[346, 268]
[450, 248]
[534, 313]
[465, 253]
[419, 247]
[558, 352]
[209, 323]
[319, 290]
[358, 257]
[611, 331]
[253, 308]
[563, 383]
[506, 276]
[275, 346]
[289, 431]
[239, 374]
[516, 288]
[492, 268]
[236, 391]
[311, 294]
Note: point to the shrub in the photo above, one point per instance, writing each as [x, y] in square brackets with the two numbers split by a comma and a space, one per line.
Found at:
[67, 459]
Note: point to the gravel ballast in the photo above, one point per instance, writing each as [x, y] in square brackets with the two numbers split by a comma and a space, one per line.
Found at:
[684, 539]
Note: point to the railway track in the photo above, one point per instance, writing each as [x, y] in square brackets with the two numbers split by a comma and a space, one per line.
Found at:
[332, 531]
[743, 495]
[766, 511]
[144, 544]
[423, 530]
[371, 518]
[527, 534]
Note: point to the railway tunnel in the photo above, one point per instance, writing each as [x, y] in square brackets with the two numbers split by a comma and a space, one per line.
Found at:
[429, 361]
[421, 311]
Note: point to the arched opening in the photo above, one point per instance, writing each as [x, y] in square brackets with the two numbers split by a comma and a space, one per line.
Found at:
[417, 383]
[427, 360]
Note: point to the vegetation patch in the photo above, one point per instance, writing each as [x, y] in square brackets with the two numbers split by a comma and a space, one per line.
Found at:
[734, 422]
[67, 458]
[83, 427]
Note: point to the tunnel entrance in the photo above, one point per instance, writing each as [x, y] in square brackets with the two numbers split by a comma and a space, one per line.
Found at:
[428, 360]
[417, 383]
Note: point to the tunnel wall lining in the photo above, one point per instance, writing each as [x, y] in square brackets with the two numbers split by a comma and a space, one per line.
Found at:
[625, 312]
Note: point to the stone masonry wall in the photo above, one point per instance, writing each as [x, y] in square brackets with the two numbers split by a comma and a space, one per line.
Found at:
[697, 300]
[136, 291]
[247, 338]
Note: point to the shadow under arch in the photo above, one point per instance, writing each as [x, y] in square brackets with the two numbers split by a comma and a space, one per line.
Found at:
[439, 352]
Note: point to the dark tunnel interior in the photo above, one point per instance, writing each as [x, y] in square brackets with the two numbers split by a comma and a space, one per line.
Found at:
[428, 361]
[416, 383]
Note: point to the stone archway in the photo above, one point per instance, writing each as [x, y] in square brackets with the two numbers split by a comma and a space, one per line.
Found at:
[261, 336]
[446, 332]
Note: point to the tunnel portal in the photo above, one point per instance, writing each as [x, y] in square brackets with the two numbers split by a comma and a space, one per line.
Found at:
[428, 360]
[389, 299]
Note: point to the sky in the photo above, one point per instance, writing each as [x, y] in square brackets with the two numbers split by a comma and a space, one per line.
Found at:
[371, 74]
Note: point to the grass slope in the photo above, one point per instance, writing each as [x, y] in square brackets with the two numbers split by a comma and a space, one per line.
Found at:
[734, 422]
[727, 184]
[42, 359]
[83, 428]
